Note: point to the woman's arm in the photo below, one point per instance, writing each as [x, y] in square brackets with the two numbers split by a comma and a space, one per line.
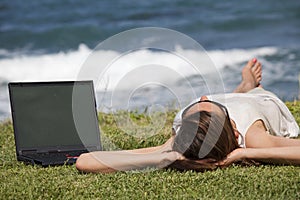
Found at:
[257, 137]
[274, 155]
[111, 161]
[261, 146]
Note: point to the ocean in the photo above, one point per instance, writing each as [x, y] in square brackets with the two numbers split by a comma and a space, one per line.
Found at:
[52, 40]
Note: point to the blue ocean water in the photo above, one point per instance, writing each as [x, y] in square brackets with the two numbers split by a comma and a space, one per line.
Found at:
[48, 40]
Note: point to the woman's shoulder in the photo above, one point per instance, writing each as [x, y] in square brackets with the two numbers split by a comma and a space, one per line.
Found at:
[256, 135]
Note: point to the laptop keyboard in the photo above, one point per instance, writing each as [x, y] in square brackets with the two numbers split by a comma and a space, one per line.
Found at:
[46, 156]
[56, 157]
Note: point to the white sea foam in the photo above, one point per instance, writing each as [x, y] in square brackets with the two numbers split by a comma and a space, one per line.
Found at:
[123, 71]
[67, 65]
[233, 57]
[59, 66]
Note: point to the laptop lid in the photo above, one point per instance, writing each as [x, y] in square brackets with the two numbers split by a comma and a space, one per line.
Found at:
[54, 116]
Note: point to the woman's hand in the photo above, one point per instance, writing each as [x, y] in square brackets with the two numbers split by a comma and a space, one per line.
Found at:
[166, 155]
[236, 155]
[167, 146]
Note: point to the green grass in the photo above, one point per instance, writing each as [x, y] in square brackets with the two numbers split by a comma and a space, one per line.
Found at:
[21, 181]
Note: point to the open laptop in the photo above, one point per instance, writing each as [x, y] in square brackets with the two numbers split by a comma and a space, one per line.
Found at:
[54, 122]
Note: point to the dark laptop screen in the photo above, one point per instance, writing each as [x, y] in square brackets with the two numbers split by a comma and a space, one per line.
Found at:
[54, 114]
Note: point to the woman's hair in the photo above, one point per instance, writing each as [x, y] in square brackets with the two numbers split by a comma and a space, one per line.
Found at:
[203, 135]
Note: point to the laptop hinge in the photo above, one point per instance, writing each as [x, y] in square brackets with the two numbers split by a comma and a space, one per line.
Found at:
[24, 152]
[54, 151]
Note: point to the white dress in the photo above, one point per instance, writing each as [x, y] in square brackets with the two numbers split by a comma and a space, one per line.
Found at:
[246, 108]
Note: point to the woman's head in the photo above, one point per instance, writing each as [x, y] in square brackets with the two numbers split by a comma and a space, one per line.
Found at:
[205, 134]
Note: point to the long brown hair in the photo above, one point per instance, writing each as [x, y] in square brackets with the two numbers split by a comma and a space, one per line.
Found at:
[203, 136]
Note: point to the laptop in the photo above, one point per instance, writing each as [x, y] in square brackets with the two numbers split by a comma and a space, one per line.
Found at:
[54, 122]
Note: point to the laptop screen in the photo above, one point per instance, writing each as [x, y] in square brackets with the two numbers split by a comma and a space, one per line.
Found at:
[54, 115]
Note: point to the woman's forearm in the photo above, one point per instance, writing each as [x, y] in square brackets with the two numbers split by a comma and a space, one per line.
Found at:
[276, 155]
[110, 161]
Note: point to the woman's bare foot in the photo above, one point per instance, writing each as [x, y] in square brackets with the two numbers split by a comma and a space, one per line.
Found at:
[251, 76]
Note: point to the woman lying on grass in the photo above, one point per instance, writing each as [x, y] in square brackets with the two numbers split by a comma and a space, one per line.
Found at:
[256, 127]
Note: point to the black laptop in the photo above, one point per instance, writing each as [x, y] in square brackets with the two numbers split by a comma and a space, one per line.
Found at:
[54, 122]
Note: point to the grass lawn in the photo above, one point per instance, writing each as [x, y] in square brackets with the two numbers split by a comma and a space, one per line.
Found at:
[21, 181]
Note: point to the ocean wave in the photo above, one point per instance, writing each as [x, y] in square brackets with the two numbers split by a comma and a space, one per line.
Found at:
[130, 71]
[67, 65]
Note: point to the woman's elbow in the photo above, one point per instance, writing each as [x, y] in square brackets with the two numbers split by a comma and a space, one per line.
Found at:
[82, 163]
[88, 163]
